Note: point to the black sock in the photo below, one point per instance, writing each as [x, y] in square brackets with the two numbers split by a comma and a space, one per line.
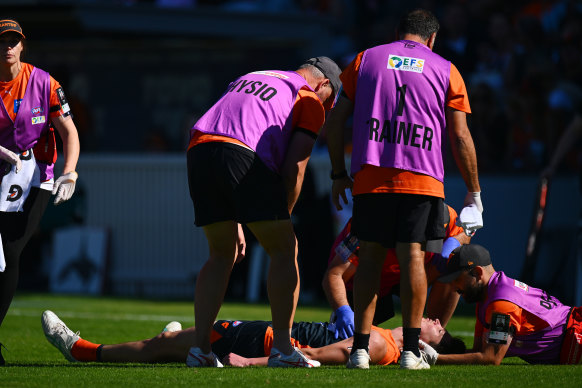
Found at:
[411, 337]
[361, 341]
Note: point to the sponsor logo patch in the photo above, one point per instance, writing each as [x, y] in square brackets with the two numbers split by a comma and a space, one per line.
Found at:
[521, 285]
[38, 120]
[36, 111]
[14, 193]
[398, 62]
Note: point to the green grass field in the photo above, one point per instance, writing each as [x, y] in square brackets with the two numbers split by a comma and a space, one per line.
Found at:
[33, 362]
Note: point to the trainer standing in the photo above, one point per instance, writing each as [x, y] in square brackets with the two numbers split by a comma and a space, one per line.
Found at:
[246, 162]
[31, 101]
[404, 98]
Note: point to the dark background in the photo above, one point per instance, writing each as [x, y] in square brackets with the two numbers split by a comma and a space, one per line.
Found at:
[138, 74]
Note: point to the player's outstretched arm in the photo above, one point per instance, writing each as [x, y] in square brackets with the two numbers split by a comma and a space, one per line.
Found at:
[233, 359]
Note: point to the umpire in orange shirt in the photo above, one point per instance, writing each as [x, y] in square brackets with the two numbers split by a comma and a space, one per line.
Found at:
[32, 102]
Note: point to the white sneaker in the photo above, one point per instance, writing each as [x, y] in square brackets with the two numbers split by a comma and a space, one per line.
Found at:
[58, 334]
[295, 360]
[197, 359]
[359, 360]
[172, 326]
[408, 360]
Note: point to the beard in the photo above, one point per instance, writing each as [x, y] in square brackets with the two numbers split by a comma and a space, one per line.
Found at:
[475, 294]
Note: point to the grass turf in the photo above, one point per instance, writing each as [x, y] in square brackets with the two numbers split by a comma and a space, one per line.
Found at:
[33, 362]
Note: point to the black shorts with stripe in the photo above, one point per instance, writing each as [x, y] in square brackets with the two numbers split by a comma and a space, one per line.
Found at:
[247, 338]
[229, 182]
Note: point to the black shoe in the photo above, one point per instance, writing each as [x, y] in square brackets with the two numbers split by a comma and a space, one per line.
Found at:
[2, 362]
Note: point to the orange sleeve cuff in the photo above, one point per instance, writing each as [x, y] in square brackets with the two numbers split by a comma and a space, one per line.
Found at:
[349, 77]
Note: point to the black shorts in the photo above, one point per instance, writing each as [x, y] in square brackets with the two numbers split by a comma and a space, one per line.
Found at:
[230, 183]
[245, 338]
[388, 218]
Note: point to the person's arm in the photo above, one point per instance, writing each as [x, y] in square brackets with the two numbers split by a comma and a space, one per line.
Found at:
[64, 186]
[441, 301]
[334, 130]
[485, 351]
[333, 283]
[339, 352]
[234, 359]
[463, 150]
[491, 354]
[294, 165]
[71, 145]
[338, 272]
[462, 238]
[11, 157]
[568, 139]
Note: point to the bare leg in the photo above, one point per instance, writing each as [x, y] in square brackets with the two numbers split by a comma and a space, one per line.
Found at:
[413, 285]
[166, 347]
[367, 284]
[278, 239]
[213, 279]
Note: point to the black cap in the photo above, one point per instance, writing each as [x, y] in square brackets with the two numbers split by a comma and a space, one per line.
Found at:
[9, 25]
[331, 71]
[464, 258]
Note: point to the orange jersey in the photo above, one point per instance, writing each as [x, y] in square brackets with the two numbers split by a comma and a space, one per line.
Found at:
[374, 179]
[392, 350]
[523, 321]
[308, 113]
[13, 92]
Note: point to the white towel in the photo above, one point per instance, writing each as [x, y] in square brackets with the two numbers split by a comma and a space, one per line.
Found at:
[470, 219]
[15, 187]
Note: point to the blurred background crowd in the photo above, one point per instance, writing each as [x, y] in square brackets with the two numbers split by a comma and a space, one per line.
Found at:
[521, 61]
[139, 73]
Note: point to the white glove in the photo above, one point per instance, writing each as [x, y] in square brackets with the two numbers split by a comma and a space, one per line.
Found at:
[64, 187]
[428, 351]
[11, 157]
[470, 218]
